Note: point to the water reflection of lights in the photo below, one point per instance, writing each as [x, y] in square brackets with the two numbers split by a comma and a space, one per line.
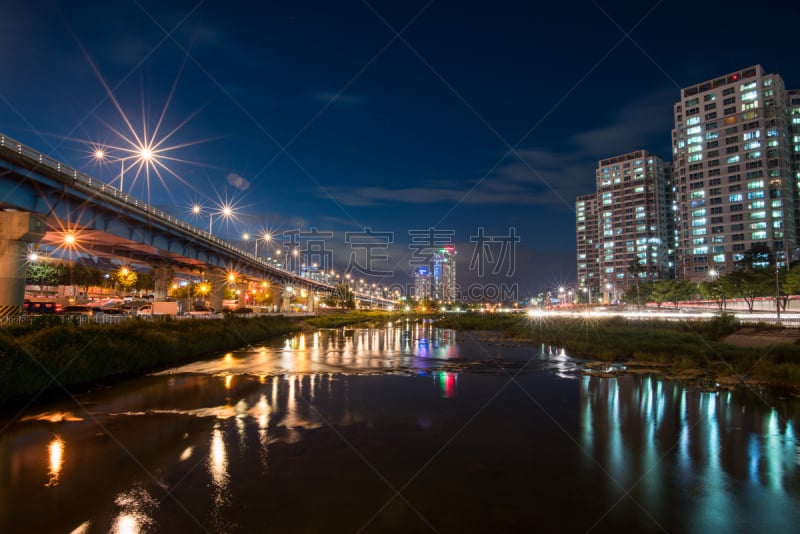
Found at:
[135, 516]
[218, 466]
[186, 454]
[262, 418]
[447, 383]
[56, 456]
[413, 346]
[711, 440]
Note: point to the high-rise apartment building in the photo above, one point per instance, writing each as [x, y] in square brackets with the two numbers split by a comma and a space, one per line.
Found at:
[625, 230]
[444, 275]
[735, 184]
[794, 126]
[588, 246]
[422, 283]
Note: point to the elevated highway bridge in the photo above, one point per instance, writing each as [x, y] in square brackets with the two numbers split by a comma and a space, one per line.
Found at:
[43, 201]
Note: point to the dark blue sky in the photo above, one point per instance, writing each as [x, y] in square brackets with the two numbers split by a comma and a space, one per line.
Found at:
[477, 115]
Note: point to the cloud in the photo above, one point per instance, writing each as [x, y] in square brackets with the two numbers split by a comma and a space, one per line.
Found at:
[636, 125]
[374, 196]
[540, 175]
[238, 182]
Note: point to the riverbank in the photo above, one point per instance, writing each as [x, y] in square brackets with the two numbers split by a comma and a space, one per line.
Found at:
[716, 352]
[50, 355]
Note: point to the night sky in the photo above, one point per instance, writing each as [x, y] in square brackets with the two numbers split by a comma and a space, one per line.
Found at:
[428, 122]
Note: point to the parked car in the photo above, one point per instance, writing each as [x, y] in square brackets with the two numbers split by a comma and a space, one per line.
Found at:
[158, 308]
[78, 310]
[39, 307]
[239, 311]
[201, 311]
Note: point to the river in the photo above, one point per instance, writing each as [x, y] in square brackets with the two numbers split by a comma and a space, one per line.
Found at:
[399, 429]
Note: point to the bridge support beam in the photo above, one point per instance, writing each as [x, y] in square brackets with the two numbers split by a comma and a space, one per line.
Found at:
[162, 279]
[17, 229]
[286, 301]
[311, 306]
[276, 293]
[218, 280]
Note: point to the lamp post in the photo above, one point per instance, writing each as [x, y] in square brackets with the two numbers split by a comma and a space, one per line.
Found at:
[144, 154]
[589, 289]
[224, 210]
[267, 237]
[100, 155]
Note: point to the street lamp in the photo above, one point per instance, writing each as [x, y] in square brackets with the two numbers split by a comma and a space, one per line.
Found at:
[224, 210]
[246, 237]
[266, 237]
[589, 289]
[100, 155]
[144, 155]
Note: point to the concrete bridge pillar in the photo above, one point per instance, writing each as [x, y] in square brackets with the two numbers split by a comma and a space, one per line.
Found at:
[277, 297]
[162, 279]
[311, 305]
[217, 280]
[286, 300]
[17, 229]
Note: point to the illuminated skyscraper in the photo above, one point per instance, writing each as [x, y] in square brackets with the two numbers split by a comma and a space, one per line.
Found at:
[444, 275]
[588, 243]
[422, 283]
[794, 119]
[733, 171]
[625, 230]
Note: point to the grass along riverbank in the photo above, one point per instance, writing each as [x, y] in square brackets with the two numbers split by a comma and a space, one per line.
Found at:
[49, 355]
[686, 349]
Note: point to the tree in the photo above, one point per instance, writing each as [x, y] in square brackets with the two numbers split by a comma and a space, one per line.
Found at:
[715, 290]
[680, 290]
[791, 281]
[144, 282]
[756, 275]
[341, 297]
[84, 276]
[125, 278]
[634, 268]
[659, 291]
[747, 285]
[43, 273]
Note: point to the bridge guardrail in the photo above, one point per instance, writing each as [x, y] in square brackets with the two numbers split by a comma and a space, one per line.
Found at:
[74, 176]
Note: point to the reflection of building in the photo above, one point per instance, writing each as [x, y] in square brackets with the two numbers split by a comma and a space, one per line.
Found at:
[422, 283]
[444, 274]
